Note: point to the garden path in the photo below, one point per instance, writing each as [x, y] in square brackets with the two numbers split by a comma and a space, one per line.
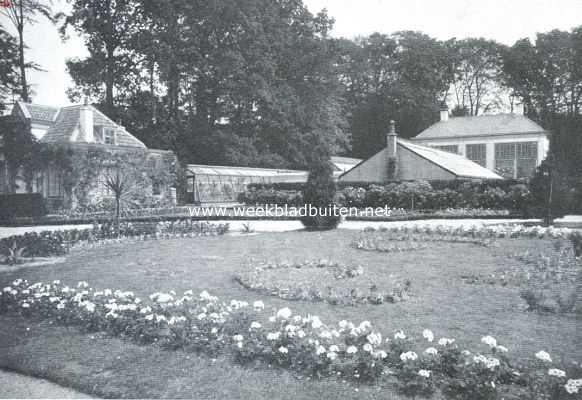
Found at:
[16, 386]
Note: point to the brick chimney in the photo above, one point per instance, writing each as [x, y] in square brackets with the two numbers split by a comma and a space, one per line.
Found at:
[86, 122]
[391, 152]
[444, 112]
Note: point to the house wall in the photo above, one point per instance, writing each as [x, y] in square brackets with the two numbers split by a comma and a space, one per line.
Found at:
[374, 169]
[411, 166]
[490, 141]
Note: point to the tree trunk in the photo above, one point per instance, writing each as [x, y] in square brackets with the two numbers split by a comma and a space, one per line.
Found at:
[117, 215]
[110, 81]
[23, 84]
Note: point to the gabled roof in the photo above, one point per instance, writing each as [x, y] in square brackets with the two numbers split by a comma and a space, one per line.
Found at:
[344, 163]
[68, 120]
[454, 163]
[38, 113]
[483, 125]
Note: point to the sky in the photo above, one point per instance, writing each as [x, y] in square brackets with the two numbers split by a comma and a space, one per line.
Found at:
[502, 20]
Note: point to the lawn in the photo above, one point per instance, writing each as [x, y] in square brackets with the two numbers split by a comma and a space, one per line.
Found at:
[440, 300]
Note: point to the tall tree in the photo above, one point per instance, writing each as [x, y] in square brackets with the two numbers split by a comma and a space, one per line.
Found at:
[22, 13]
[477, 67]
[107, 26]
[9, 66]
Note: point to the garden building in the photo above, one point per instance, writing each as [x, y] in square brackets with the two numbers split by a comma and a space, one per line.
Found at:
[512, 145]
[78, 149]
[404, 160]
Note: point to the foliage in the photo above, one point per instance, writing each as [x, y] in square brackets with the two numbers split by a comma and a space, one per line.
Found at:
[303, 344]
[301, 281]
[9, 78]
[55, 243]
[417, 195]
[319, 192]
[233, 82]
[22, 13]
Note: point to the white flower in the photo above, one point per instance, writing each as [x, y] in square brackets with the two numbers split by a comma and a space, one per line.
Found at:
[284, 313]
[333, 348]
[368, 347]
[544, 356]
[374, 338]
[189, 293]
[502, 349]
[325, 335]
[273, 335]
[428, 335]
[399, 335]
[164, 298]
[424, 373]
[332, 355]
[238, 338]
[343, 324]
[320, 350]
[258, 305]
[409, 355]
[573, 385]
[149, 317]
[489, 340]
[301, 333]
[239, 345]
[283, 350]
[145, 310]
[431, 351]
[446, 341]
[255, 325]
[201, 316]
[556, 372]
[381, 354]
[365, 325]
[316, 322]
[352, 350]
[204, 295]
[272, 318]
[25, 305]
[82, 284]
[214, 330]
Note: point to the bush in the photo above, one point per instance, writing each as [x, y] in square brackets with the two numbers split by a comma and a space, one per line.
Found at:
[319, 192]
[413, 195]
[21, 205]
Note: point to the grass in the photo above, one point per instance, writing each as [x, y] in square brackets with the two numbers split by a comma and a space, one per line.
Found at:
[440, 301]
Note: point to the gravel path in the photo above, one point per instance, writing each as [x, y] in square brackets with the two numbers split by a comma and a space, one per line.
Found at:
[16, 386]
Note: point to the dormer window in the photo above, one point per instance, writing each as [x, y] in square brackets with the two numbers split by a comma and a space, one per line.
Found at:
[109, 136]
[105, 135]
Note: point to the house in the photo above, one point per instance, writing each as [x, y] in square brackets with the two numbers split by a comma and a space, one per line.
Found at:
[404, 160]
[78, 128]
[510, 144]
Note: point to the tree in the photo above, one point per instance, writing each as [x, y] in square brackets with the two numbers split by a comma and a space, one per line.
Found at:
[319, 192]
[107, 26]
[9, 62]
[22, 13]
[19, 143]
[477, 67]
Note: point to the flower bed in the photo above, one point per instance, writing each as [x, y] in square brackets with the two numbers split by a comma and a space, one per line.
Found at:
[56, 243]
[421, 365]
[320, 280]
[483, 231]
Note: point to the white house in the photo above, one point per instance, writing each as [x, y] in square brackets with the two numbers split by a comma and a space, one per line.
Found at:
[512, 145]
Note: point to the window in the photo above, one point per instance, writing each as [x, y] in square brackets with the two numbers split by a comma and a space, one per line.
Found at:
[451, 148]
[3, 177]
[55, 183]
[108, 136]
[477, 153]
[104, 135]
[516, 160]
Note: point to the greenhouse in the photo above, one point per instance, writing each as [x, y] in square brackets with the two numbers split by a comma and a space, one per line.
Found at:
[221, 184]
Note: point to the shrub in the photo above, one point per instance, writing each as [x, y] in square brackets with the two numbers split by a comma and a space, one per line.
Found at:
[319, 192]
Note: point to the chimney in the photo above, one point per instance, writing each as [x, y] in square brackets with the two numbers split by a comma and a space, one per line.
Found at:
[518, 109]
[391, 142]
[86, 122]
[444, 112]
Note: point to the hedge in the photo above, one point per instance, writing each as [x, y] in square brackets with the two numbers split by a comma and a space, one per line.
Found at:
[417, 195]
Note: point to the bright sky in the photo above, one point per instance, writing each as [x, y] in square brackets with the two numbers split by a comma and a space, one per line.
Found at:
[501, 20]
